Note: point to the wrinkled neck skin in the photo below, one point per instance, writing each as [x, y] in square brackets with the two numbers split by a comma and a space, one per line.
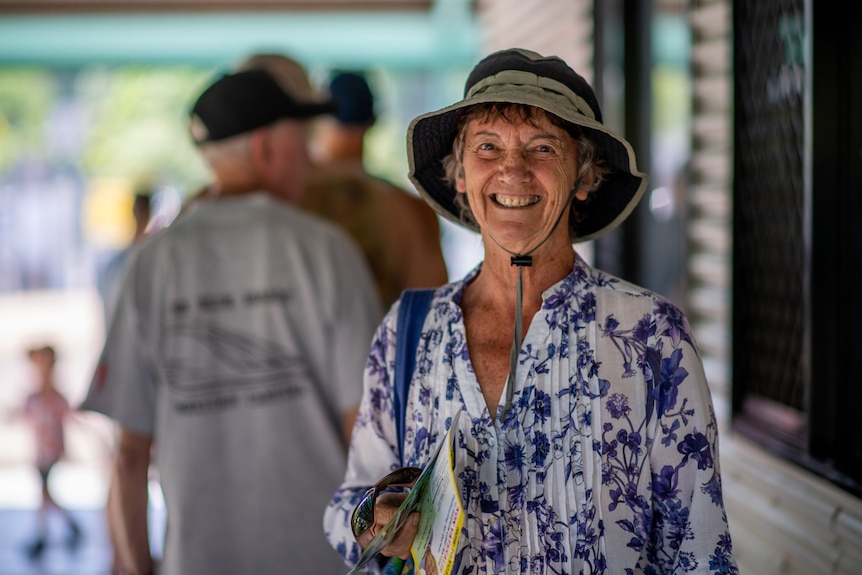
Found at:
[233, 175]
[236, 180]
[497, 282]
[227, 185]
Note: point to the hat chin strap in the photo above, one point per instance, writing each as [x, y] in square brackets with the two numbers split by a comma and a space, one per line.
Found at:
[522, 261]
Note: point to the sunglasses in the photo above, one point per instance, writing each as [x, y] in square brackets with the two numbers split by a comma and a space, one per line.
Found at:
[363, 515]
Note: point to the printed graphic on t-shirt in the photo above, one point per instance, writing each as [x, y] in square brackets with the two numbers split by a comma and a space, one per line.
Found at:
[210, 357]
[210, 365]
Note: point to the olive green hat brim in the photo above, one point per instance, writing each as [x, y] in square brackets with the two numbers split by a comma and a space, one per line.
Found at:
[430, 138]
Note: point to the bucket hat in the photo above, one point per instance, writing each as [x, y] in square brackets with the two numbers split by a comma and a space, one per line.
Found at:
[521, 76]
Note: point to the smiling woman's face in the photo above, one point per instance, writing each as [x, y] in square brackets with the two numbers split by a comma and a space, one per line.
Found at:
[517, 175]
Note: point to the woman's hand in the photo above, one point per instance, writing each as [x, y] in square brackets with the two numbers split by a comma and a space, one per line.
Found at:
[384, 509]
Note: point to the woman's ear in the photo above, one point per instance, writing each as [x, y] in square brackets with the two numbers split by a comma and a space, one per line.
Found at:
[460, 183]
[585, 186]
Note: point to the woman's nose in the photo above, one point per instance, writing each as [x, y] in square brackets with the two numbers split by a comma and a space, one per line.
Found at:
[514, 165]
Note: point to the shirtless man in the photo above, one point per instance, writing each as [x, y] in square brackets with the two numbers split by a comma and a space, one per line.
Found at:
[398, 233]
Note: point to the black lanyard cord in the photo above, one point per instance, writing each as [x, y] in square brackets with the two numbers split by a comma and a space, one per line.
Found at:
[523, 260]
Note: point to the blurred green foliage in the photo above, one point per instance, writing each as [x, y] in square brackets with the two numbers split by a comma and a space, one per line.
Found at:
[139, 124]
[26, 96]
[134, 121]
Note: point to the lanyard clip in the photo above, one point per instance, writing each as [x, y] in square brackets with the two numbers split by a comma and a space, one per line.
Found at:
[522, 261]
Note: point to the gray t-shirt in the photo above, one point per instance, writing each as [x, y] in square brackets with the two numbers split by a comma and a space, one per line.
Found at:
[239, 337]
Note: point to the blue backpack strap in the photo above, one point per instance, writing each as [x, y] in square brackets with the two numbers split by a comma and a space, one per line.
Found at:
[412, 309]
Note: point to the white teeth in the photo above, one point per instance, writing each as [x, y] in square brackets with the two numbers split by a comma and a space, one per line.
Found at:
[515, 201]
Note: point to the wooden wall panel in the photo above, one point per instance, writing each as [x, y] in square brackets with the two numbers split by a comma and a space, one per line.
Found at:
[709, 197]
[562, 27]
[784, 520]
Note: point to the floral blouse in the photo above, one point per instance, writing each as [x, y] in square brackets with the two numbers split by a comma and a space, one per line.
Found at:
[606, 462]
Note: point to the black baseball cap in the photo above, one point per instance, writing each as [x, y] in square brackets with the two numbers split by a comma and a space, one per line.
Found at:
[354, 102]
[244, 101]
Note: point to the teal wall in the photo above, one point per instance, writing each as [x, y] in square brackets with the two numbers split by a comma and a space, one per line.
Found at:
[445, 37]
[95, 100]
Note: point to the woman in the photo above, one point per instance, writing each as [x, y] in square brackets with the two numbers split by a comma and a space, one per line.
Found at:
[589, 443]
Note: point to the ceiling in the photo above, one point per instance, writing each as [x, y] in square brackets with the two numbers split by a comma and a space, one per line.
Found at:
[411, 34]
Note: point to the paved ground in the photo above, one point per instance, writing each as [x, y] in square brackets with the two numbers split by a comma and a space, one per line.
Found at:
[72, 322]
[78, 489]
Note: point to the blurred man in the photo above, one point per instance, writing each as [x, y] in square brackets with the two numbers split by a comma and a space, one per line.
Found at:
[109, 278]
[396, 230]
[236, 349]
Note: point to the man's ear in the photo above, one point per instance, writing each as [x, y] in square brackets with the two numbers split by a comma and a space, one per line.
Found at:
[260, 149]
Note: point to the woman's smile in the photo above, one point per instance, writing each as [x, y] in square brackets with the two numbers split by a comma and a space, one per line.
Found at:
[518, 177]
[514, 201]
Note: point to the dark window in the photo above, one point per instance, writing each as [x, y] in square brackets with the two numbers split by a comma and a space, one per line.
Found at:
[797, 244]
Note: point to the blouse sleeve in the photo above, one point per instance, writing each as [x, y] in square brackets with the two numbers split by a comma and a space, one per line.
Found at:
[373, 450]
[690, 529]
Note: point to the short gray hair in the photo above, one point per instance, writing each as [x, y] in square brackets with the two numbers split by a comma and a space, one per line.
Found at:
[227, 150]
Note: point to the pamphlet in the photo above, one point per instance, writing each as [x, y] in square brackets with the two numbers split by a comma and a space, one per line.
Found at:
[435, 496]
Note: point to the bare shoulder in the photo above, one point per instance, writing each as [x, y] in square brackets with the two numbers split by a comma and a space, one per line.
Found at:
[409, 206]
[414, 233]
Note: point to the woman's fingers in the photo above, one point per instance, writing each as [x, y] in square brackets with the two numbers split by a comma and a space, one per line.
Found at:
[384, 509]
[400, 546]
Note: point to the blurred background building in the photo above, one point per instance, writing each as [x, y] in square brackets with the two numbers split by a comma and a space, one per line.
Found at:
[744, 113]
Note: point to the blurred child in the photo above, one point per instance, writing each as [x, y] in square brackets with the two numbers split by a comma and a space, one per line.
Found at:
[46, 409]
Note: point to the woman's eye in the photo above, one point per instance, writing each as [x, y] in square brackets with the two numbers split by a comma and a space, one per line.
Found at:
[545, 149]
[487, 150]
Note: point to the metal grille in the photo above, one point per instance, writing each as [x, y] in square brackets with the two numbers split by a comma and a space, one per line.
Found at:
[769, 241]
